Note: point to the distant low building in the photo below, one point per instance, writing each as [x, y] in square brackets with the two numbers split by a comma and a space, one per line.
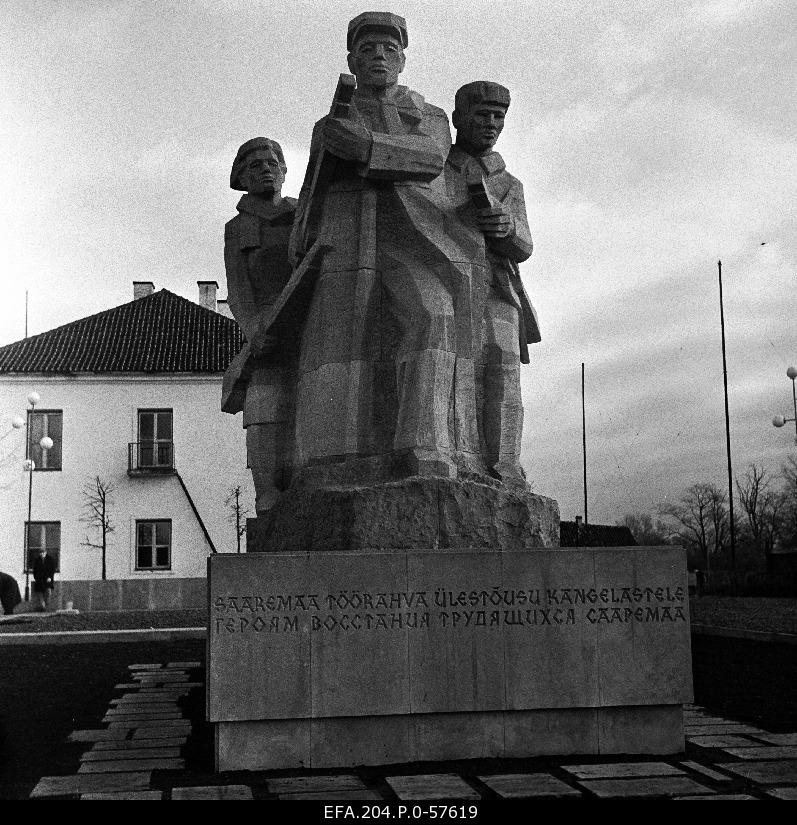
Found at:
[577, 534]
[131, 396]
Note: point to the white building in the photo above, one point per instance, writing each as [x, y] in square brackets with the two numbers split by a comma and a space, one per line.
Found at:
[132, 396]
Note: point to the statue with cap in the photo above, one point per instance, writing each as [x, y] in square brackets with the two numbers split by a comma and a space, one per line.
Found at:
[386, 367]
[261, 382]
[489, 200]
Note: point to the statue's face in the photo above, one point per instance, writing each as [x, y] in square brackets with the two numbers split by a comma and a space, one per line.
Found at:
[377, 60]
[478, 129]
[262, 174]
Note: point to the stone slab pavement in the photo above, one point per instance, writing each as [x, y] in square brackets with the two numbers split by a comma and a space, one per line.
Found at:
[158, 755]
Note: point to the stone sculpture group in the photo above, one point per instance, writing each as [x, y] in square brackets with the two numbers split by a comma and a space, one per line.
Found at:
[384, 313]
[386, 324]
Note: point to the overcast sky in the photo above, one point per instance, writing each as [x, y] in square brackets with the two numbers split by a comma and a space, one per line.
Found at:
[652, 138]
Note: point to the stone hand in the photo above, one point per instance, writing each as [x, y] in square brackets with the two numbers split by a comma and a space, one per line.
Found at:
[496, 222]
[347, 140]
[263, 343]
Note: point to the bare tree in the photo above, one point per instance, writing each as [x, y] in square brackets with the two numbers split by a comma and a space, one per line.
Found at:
[701, 519]
[96, 503]
[645, 530]
[763, 508]
[788, 476]
[238, 512]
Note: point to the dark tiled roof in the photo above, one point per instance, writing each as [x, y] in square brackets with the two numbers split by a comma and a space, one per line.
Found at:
[594, 535]
[159, 333]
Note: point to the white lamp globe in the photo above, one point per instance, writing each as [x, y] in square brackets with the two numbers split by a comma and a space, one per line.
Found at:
[778, 421]
[34, 398]
[17, 422]
[46, 443]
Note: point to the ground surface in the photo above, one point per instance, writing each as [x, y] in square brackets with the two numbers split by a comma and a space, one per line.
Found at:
[746, 613]
[747, 736]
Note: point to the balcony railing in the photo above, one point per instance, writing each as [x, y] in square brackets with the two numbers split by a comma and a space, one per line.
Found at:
[150, 458]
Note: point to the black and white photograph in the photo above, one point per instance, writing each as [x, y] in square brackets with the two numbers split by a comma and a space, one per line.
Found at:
[398, 405]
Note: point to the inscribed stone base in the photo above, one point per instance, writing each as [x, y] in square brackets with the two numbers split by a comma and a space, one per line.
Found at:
[377, 657]
[412, 513]
[382, 740]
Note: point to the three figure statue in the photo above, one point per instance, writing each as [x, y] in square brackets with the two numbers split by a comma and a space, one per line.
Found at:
[384, 313]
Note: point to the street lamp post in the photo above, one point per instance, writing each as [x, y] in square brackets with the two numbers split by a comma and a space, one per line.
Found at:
[29, 466]
[779, 420]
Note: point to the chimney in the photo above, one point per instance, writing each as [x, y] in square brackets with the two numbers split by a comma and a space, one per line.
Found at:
[207, 294]
[223, 308]
[142, 288]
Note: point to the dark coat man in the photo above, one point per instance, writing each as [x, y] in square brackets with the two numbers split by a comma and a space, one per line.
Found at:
[43, 576]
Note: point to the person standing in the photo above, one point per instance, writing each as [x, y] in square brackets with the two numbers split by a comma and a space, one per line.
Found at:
[43, 577]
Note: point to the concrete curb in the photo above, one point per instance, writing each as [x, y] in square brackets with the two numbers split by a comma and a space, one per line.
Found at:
[750, 635]
[163, 634]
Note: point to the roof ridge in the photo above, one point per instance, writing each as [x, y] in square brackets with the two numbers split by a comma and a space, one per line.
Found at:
[159, 332]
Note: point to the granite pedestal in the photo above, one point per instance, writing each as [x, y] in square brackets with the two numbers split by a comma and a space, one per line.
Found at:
[329, 659]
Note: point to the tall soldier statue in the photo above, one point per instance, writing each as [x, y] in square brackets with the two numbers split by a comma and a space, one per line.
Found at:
[386, 372]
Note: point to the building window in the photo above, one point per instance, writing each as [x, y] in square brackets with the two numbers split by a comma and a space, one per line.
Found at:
[154, 545]
[155, 445]
[43, 423]
[44, 535]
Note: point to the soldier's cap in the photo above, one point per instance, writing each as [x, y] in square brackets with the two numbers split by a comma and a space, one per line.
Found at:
[379, 20]
[481, 91]
[246, 149]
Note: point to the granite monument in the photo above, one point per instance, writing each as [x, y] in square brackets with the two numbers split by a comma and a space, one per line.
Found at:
[404, 596]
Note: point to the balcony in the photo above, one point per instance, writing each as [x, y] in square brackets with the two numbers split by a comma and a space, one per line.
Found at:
[150, 458]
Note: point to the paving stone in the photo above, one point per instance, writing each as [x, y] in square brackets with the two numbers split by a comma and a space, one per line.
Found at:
[161, 677]
[765, 773]
[765, 752]
[134, 744]
[138, 699]
[127, 765]
[779, 738]
[165, 712]
[782, 793]
[213, 792]
[650, 786]
[170, 712]
[728, 741]
[98, 735]
[130, 753]
[187, 665]
[722, 797]
[90, 783]
[159, 733]
[717, 777]
[315, 784]
[162, 723]
[720, 730]
[150, 666]
[525, 785]
[322, 796]
[620, 770]
[431, 786]
[702, 721]
[124, 795]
